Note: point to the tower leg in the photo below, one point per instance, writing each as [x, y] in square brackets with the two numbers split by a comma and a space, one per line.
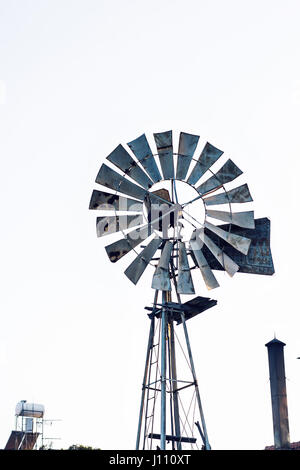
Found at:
[163, 374]
[204, 431]
[160, 377]
[150, 345]
[173, 373]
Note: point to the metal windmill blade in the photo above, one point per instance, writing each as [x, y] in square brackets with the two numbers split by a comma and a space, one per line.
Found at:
[101, 200]
[186, 150]
[207, 274]
[110, 224]
[240, 243]
[227, 173]
[121, 158]
[208, 157]
[141, 149]
[113, 180]
[238, 195]
[138, 266]
[161, 278]
[228, 264]
[164, 144]
[120, 248]
[242, 219]
[259, 257]
[184, 282]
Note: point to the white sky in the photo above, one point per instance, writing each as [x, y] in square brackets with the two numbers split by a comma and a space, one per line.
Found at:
[76, 79]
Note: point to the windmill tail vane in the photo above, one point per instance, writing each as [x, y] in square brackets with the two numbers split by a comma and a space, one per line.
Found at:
[179, 211]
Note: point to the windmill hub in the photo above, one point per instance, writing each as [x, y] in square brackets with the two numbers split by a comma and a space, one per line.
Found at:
[180, 217]
[192, 215]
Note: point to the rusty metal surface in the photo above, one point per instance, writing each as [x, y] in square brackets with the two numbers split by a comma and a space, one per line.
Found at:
[138, 266]
[241, 194]
[241, 219]
[118, 249]
[111, 224]
[164, 144]
[121, 158]
[227, 173]
[163, 196]
[184, 280]
[218, 256]
[141, 149]
[239, 242]
[207, 274]
[259, 257]
[101, 200]
[113, 180]
[161, 277]
[186, 150]
[208, 157]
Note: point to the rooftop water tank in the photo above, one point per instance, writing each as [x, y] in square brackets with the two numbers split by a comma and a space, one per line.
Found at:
[32, 410]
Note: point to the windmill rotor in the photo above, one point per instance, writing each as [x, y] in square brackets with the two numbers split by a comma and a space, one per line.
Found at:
[160, 216]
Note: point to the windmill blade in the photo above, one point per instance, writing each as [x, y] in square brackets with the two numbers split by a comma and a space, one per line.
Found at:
[121, 158]
[240, 243]
[161, 277]
[164, 144]
[207, 274]
[241, 194]
[109, 202]
[121, 247]
[241, 219]
[186, 149]
[141, 149]
[184, 280]
[118, 249]
[165, 256]
[227, 263]
[161, 280]
[138, 266]
[113, 180]
[111, 224]
[259, 257]
[227, 173]
[208, 157]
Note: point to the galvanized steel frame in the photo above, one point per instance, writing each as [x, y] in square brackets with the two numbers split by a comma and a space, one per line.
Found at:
[146, 177]
[167, 357]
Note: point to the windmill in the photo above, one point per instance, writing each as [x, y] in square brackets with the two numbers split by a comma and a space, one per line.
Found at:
[166, 207]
